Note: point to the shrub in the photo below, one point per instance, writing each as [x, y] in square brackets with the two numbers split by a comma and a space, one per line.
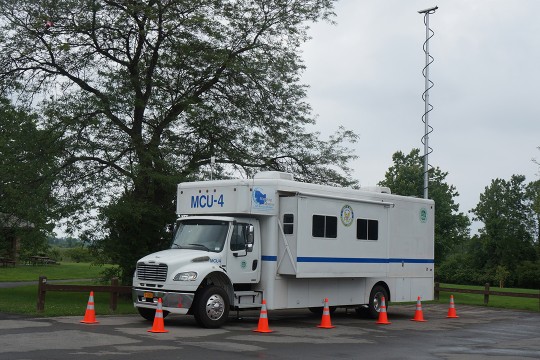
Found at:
[79, 254]
[528, 275]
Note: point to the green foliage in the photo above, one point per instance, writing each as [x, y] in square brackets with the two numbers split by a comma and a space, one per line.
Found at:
[67, 242]
[27, 164]
[147, 92]
[405, 177]
[79, 254]
[501, 275]
[506, 236]
[528, 274]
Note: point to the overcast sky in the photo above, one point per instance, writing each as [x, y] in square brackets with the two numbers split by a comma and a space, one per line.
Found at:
[365, 73]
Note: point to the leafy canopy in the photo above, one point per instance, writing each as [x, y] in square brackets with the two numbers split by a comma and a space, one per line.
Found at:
[27, 163]
[146, 92]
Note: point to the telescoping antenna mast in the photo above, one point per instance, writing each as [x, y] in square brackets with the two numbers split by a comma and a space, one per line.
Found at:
[427, 106]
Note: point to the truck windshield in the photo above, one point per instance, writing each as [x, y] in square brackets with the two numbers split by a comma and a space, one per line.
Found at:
[209, 235]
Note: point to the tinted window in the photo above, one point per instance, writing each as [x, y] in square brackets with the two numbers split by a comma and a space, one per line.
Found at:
[361, 229]
[317, 229]
[367, 229]
[288, 223]
[331, 227]
[324, 226]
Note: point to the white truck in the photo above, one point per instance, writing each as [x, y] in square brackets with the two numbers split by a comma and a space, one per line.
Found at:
[237, 242]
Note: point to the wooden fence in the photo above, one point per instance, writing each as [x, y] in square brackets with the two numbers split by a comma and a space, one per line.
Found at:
[486, 292]
[114, 289]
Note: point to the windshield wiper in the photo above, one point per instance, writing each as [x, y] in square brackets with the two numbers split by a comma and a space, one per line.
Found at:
[200, 245]
[176, 246]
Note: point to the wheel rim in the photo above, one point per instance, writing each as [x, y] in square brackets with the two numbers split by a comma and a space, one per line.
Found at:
[215, 307]
[377, 301]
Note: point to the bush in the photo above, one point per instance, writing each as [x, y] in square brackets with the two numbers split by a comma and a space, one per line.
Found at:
[79, 254]
[528, 275]
[456, 270]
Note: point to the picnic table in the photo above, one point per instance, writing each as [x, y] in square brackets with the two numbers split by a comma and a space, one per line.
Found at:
[41, 260]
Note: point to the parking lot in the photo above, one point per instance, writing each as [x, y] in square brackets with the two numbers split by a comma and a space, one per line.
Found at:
[478, 333]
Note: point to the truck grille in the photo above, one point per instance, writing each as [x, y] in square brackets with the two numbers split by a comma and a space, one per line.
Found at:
[152, 272]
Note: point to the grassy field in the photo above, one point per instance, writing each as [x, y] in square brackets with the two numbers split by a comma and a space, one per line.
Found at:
[22, 300]
[505, 302]
[52, 272]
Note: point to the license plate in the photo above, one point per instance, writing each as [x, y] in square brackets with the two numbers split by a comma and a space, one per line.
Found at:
[148, 295]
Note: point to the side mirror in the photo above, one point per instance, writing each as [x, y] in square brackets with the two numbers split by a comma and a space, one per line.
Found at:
[250, 238]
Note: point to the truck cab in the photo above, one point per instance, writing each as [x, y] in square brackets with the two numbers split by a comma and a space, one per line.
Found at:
[210, 268]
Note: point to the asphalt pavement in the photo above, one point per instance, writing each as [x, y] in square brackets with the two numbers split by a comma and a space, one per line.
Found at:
[478, 333]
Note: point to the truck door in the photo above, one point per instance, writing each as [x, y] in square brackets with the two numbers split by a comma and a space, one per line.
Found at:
[244, 253]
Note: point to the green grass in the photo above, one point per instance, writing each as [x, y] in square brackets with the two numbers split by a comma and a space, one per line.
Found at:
[505, 302]
[52, 272]
[22, 300]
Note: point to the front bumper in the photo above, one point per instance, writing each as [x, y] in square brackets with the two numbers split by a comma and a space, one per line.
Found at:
[173, 302]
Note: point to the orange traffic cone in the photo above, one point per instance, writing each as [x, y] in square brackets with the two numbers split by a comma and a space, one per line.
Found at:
[263, 320]
[383, 317]
[452, 309]
[418, 314]
[325, 321]
[90, 314]
[159, 325]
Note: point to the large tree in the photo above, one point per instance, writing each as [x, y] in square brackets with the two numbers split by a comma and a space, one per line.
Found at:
[27, 164]
[405, 177]
[146, 92]
[506, 212]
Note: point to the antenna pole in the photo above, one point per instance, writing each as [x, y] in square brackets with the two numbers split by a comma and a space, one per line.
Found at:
[427, 106]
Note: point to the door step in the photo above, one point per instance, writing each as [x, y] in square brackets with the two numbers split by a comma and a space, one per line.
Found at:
[248, 299]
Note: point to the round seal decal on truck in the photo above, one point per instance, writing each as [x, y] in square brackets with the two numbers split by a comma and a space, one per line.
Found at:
[347, 215]
[423, 215]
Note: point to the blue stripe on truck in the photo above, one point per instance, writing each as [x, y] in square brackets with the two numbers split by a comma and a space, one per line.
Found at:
[311, 259]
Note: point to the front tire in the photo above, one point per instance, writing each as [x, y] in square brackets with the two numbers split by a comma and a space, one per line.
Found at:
[375, 300]
[211, 307]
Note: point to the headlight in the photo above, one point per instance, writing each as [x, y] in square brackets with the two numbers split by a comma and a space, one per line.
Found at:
[186, 276]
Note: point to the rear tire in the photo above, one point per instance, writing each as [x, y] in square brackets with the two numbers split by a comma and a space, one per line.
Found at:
[375, 300]
[211, 307]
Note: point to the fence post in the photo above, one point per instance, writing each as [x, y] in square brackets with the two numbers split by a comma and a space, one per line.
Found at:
[113, 302]
[486, 294]
[42, 283]
[436, 292]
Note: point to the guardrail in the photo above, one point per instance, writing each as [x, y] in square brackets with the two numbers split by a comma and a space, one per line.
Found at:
[486, 292]
[114, 289]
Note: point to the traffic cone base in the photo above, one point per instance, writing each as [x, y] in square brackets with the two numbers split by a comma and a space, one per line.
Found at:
[90, 314]
[326, 323]
[418, 314]
[159, 325]
[262, 327]
[383, 316]
[452, 309]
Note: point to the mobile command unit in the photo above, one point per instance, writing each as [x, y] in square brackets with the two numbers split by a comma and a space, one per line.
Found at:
[293, 244]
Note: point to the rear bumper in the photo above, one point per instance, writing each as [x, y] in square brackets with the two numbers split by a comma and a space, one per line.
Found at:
[174, 302]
